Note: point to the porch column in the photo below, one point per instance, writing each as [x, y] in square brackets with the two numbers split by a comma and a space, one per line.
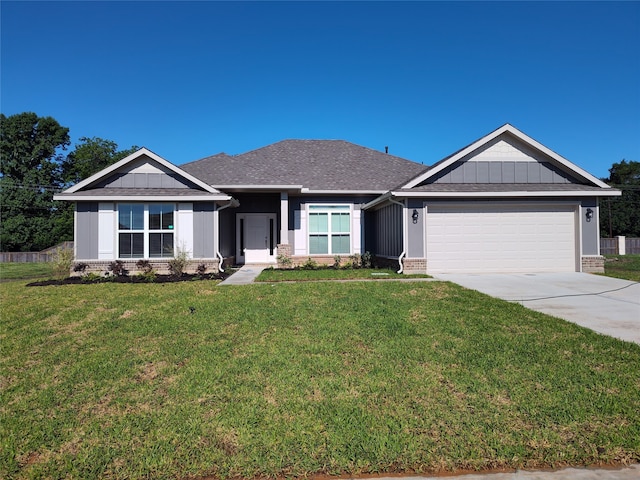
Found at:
[284, 218]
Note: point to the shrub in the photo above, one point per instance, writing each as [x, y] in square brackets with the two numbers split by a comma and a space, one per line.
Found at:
[61, 262]
[80, 267]
[117, 268]
[91, 278]
[366, 260]
[337, 261]
[356, 260]
[178, 264]
[201, 269]
[145, 266]
[310, 264]
[284, 260]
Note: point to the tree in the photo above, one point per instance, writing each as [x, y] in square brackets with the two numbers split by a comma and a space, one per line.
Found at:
[30, 173]
[91, 156]
[88, 157]
[621, 215]
[33, 168]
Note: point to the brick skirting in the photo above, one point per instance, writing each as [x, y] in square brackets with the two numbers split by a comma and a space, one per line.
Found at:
[593, 264]
[161, 267]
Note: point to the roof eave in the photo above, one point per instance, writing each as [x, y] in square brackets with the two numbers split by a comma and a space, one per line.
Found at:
[135, 155]
[515, 193]
[583, 174]
[141, 198]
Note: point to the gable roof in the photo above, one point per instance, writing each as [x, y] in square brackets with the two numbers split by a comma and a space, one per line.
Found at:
[103, 174]
[308, 165]
[90, 189]
[511, 130]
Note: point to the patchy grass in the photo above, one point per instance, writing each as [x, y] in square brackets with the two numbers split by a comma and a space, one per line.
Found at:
[300, 275]
[185, 380]
[623, 266]
[20, 271]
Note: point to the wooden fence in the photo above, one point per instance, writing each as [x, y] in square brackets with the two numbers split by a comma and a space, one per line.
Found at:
[27, 257]
[611, 246]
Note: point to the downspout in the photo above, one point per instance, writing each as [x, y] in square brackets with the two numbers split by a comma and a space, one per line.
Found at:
[404, 233]
[232, 203]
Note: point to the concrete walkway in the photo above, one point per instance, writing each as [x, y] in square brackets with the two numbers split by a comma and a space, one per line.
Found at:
[624, 473]
[245, 276]
[606, 305]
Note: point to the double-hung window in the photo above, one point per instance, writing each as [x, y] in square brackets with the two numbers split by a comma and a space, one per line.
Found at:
[145, 230]
[329, 229]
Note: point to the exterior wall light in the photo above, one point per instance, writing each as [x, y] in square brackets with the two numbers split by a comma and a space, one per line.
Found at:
[589, 214]
[414, 216]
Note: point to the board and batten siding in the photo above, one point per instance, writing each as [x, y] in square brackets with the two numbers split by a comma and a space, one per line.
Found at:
[203, 230]
[86, 231]
[388, 231]
[503, 172]
[96, 230]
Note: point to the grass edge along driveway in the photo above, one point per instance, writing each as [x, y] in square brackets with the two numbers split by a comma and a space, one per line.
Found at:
[187, 380]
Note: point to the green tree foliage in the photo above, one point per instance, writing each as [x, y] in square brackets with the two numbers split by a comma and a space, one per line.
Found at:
[90, 156]
[621, 215]
[33, 168]
[30, 169]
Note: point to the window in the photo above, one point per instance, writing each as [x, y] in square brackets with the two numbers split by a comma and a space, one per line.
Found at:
[329, 229]
[145, 231]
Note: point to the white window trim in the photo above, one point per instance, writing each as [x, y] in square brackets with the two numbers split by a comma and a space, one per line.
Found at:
[146, 231]
[326, 208]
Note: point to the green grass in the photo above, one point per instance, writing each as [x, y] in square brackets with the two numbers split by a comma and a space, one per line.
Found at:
[623, 266]
[18, 271]
[122, 381]
[274, 275]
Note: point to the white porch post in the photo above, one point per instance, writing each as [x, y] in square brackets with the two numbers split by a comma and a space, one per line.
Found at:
[284, 218]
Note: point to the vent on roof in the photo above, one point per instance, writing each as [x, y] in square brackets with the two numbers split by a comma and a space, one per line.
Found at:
[386, 149]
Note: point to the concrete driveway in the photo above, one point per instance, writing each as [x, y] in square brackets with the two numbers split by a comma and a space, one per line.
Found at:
[606, 305]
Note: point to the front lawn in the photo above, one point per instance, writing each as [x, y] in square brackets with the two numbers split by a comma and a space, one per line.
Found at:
[301, 275]
[185, 380]
[26, 270]
[623, 266]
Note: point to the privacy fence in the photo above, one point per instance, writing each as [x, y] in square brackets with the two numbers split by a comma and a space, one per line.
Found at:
[25, 257]
[619, 246]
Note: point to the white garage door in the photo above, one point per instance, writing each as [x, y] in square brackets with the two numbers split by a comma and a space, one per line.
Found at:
[487, 238]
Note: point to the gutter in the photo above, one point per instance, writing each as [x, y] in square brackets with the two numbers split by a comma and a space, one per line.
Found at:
[232, 203]
[404, 232]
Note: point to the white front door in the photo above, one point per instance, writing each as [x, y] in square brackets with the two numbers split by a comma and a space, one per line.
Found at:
[256, 237]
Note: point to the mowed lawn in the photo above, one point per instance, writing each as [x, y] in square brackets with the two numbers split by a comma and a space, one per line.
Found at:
[190, 379]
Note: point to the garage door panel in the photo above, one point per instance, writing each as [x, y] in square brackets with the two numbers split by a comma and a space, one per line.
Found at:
[501, 238]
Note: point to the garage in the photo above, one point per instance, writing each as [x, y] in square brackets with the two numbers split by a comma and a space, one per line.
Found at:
[495, 238]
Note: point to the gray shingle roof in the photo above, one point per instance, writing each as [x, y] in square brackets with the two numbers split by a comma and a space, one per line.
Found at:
[502, 187]
[138, 192]
[314, 164]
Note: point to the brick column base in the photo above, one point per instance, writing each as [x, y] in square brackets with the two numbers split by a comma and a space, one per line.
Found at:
[593, 264]
[284, 255]
[414, 265]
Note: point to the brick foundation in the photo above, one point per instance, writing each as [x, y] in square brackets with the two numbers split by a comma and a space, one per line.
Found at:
[284, 253]
[414, 265]
[161, 267]
[593, 264]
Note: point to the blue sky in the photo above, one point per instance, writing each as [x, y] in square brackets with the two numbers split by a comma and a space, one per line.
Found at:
[191, 79]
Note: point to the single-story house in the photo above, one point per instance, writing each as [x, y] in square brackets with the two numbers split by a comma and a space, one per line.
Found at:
[504, 203]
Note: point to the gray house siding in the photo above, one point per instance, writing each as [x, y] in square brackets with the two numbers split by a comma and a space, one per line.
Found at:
[145, 180]
[415, 231]
[503, 172]
[86, 241]
[203, 230]
[387, 228]
[590, 230]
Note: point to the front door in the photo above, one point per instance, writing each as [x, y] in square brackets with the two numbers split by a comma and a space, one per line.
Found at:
[256, 237]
